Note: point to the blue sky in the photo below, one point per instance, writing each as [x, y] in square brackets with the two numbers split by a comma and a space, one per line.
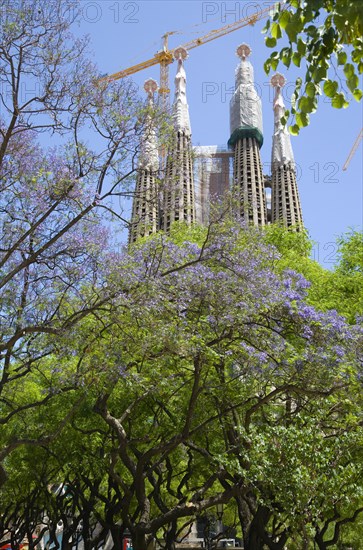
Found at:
[125, 33]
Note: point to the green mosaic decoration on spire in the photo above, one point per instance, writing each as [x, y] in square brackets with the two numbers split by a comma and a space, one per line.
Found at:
[245, 132]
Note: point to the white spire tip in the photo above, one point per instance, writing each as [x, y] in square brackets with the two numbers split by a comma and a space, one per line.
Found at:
[278, 80]
[150, 86]
[243, 51]
[180, 53]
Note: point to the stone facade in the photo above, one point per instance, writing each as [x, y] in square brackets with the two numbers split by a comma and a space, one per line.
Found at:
[193, 179]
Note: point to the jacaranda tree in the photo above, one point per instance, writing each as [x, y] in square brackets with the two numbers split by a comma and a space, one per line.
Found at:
[209, 379]
[66, 154]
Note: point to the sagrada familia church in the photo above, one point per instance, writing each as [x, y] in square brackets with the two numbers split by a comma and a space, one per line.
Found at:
[195, 177]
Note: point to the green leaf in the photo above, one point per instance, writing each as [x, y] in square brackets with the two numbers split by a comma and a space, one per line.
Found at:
[360, 67]
[319, 74]
[267, 66]
[284, 52]
[276, 30]
[270, 42]
[357, 55]
[296, 59]
[301, 46]
[339, 101]
[302, 119]
[287, 61]
[357, 94]
[294, 97]
[329, 39]
[330, 88]
[310, 89]
[294, 26]
[316, 4]
[266, 27]
[294, 130]
[274, 63]
[342, 58]
[298, 83]
[284, 19]
[307, 104]
[291, 30]
[348, 70]
[285, 56]
[353, 83]
[312, 31]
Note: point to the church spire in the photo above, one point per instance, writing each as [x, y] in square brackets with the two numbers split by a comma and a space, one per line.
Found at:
[179, 201]
[285, 202]
[245, 106]
[144, 219]
[149, 156]
[281, 150]
[246, 140]
[180, 105]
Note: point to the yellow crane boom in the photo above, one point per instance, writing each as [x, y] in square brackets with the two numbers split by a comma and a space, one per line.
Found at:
[166, 56]
[353, 150]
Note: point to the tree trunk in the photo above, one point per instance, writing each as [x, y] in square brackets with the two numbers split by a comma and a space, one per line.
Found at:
[256, 532]
[320, 542]
[139, 541]
[258, 536]
[245, 518]
[170, 537]
[67, 539]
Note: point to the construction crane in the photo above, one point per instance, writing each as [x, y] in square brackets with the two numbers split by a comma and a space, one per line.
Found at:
[353, 149]
[165, 57]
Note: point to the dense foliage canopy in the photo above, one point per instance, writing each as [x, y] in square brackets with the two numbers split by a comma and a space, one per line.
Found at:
[325, 36]
[206, 378]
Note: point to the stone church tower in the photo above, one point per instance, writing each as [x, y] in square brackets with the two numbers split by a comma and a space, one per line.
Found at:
[193, 179]
[145, 213]
[285, 202]
[246, 140]
[178, 188]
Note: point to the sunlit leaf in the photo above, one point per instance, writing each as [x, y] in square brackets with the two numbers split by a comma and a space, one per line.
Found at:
[276, 30]
[270, 42]
[294, 130]
[342, 58]
[339, 101]
[330, 88]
